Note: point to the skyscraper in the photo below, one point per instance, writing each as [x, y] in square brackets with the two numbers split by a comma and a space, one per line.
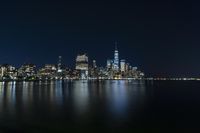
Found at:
[59, 63]
[82, 65]
[94, 64]
[123, 65]
[109, 64]
[116, 59]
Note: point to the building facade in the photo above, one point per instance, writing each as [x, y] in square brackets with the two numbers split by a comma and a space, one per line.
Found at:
[116, 59]
[82, 65]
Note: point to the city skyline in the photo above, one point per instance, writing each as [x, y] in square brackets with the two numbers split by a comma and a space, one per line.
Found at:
[70, 63]
[115, 57]
[98, 66]
[115, 69]
[159, 37]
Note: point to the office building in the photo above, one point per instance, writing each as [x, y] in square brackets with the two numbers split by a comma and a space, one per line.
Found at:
[82, 65]
[116, 59]
[123, 65]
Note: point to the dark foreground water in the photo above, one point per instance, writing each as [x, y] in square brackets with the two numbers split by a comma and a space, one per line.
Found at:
[107, 106]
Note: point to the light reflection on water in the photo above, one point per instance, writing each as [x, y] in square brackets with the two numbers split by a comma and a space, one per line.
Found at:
[80, 94]
[95, 105]
[27, 98]
[122, 96]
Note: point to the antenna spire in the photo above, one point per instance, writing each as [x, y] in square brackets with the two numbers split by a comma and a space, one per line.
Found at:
[115, 45]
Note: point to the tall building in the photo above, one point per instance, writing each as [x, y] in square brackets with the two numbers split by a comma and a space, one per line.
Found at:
[109, 64]
[8, 71]
[94, 64]
[59, 64]
[116, 59]
[27, 70]
[48, 71]
[82, 65]
[123, 65]
[127, 67]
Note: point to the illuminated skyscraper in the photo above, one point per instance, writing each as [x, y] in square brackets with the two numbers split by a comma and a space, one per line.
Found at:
[127, 67]
[116, 59]
[109, 64]
[59, 64]
[123, 65]
[94, 64]
[27, 70]
[82, 65]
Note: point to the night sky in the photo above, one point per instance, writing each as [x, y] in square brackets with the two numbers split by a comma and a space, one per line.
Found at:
[160, 37]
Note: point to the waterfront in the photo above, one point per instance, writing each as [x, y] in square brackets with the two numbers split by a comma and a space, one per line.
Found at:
[107, 105]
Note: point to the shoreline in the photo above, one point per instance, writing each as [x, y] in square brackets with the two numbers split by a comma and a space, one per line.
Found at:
[126, 79]
[45, 80]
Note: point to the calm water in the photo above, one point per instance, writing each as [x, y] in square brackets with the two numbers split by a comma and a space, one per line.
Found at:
[117, 106]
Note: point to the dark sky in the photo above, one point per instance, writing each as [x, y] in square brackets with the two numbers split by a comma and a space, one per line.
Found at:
[160, 37]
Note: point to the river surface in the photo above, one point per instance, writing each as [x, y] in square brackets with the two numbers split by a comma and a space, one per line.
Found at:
[106, 106]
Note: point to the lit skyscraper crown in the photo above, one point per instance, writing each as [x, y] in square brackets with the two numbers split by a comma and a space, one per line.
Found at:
[116, 46]
[116, 58]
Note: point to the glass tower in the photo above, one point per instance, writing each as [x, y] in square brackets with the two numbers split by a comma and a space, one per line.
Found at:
[59, 64]
[116, 58]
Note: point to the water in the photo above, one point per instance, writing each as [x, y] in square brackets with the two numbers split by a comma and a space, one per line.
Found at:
[106, 106]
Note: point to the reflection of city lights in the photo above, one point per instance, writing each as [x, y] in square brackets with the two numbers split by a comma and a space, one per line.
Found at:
[81, 96]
